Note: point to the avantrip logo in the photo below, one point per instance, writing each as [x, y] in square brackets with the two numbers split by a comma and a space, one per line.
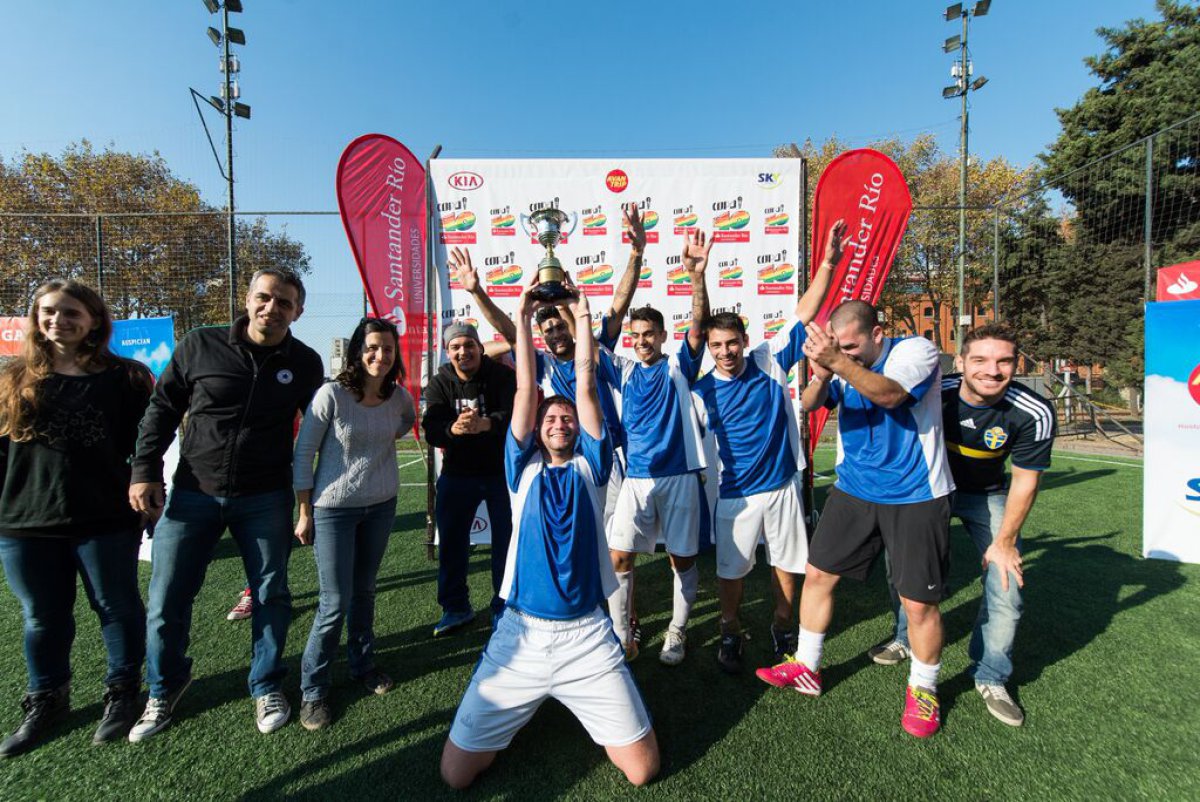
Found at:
[617, 180]
[1194, 384]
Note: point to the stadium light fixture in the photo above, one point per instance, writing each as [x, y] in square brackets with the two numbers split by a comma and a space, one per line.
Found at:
[951, 44]
[212, 5]
[235, 36]
[981, 8]
[241, 110]
[215, 35]
[950, 91]
[233, 6]
[954, 11]
[979, 82]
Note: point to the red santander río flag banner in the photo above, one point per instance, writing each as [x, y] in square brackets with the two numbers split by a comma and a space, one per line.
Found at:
[867, 190]
[1179, 282]
[381, 196]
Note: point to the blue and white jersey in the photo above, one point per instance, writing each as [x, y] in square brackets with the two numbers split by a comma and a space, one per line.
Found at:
[752, 415]
[557, 377]
[662, 434]
[558, 565]
[894, 456]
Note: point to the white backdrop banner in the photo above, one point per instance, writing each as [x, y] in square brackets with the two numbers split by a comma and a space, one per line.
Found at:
[1171, 515]
[751, 207]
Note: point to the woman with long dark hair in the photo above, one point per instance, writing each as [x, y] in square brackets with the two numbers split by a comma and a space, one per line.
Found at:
[69, 412]
[348, 506]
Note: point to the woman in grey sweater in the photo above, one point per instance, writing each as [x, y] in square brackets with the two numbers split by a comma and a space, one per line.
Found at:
[348, 505]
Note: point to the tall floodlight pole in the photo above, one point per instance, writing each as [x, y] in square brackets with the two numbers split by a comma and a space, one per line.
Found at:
[228, 106]
[961, 72]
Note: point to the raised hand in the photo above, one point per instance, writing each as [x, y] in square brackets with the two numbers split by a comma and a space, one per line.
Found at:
[460, 263]
[836, 243]
[637, 232]
[822, 349]
[695, 251]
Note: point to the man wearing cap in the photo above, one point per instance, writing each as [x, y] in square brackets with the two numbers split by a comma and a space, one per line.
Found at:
[468, 405]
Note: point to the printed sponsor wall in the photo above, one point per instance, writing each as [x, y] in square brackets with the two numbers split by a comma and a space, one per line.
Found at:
[751, 207]
[1171, 493]
[149, 340]
[12, 334]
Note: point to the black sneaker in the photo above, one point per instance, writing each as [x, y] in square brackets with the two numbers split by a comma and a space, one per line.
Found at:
[315, 715]
[120, 712]
[42, 711]
[784, 643]
[377, 682]
[729, 656]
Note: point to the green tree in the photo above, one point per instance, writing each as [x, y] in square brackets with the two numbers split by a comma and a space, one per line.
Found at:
[163, 249]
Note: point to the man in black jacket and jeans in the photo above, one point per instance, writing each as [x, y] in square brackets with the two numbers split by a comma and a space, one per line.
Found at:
[241, 387]
[468, 406]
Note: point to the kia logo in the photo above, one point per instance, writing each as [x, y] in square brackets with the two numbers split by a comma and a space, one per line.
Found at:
[478, 525]
[465, 180]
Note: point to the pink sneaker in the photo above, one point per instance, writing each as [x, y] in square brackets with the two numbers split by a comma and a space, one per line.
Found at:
[793, 674]
[922, 713]
[243, 609]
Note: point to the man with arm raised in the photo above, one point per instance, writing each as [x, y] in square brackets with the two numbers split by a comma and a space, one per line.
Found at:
[554, 640]
[745, 402]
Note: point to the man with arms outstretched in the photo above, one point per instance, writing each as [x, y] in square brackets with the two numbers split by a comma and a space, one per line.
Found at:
[892, 491]
[554, 640]
[746, 404]
[987, 416]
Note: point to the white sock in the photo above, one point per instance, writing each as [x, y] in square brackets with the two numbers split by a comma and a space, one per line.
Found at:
[684, 596]
[618, 606]
[808, 648]
[924, 675]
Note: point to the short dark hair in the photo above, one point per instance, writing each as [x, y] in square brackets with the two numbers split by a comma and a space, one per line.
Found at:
[992, 331]
[728, 321]
[543, 408]
[289, 277]
[353, 376]
[544, 313]
[648, 314]
[859, 312]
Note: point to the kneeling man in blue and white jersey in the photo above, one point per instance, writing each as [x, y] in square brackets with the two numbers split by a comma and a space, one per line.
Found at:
[746, 404]
[661, 493]
[892, 492]
[554, 640]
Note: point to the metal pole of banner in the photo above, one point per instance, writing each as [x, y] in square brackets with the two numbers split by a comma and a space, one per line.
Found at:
[432, 323]
[99, 255]
[1149, 221]
[805, 272]
[996, 266]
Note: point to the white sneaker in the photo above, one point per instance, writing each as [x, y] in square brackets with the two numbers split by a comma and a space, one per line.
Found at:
[157, 715]
[1000, 704]
[273, 711]
[674, 646]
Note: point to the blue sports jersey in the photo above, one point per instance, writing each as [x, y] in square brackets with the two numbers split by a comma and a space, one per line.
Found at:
[662, 435]
[894, 456]
[557, 377]
[608, 342]
[752, 415]
[558, 565]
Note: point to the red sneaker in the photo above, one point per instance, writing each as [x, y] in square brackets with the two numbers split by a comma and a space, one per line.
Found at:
[922, 713]
[243, 609]
[793, 674]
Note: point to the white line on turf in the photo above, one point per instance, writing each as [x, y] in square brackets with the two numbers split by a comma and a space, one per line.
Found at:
[1060, 455]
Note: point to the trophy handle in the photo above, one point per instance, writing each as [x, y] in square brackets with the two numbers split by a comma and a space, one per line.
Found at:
[527, 225]
[573, 217]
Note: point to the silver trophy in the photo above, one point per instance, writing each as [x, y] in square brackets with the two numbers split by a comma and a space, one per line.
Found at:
[546, 225]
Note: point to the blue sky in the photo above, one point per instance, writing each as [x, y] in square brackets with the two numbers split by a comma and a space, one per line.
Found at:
[513, 79]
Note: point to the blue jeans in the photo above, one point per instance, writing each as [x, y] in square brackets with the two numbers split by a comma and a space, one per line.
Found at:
[41, 572]
[995, 630]
[348, 545]
[457, 499]
[184, 540]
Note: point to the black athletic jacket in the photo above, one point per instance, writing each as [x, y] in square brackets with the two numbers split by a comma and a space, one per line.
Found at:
[238, 438]
[491, 391]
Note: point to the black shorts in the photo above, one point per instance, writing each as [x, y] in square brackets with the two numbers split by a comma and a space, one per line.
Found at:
[917, 538]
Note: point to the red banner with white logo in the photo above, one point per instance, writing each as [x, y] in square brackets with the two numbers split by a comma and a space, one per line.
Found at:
[12, 335]
[381, 196]
[867, 190]
[1179, 282]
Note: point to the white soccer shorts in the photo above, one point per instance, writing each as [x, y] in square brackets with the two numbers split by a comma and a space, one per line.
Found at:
[777, 516]
[648, 507]
[528, 660]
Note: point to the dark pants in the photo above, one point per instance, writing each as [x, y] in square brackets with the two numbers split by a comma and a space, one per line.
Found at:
[457, 499]
[41, 572]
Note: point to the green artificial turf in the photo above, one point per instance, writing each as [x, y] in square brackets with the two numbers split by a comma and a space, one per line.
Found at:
[1107, 668]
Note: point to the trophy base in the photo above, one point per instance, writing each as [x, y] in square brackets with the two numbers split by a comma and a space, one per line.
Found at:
[551, 291]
